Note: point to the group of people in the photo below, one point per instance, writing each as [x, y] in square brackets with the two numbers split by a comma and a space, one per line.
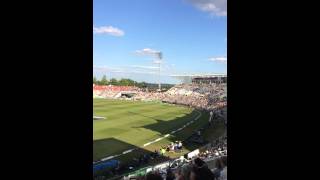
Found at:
[194, 170]
[113, 88]
[210, 97]
[172, 147]
[197, 168]
[216, 149]
[217, 114]
[110, 91]
[133, 164]
[204, 96]
[148, 96]
[190, 169]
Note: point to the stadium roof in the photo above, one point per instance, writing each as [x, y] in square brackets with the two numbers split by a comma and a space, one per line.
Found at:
[187, 78]
[199, 75]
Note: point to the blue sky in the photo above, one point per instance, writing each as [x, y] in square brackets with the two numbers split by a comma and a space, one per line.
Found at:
[127, 34]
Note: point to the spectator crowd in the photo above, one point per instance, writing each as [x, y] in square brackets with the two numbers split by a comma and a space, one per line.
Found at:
[210, 163]
[201, 96]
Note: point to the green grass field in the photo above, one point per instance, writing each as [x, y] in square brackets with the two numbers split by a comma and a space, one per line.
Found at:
[130, 124]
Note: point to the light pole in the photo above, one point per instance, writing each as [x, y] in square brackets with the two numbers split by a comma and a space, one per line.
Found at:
[159, 62]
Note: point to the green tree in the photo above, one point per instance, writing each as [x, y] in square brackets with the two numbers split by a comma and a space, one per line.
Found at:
[130, 82]
[94, 80]
[122, 82]
[126, 82]
[113, 81]
[142, 85]
[104, 80]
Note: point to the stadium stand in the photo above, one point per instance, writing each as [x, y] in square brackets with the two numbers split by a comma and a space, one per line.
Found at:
[211, 164]
[111, 91]
[212, 156]
[207, 162]
[201, 96]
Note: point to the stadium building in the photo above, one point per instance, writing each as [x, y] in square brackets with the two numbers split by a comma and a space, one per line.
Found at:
[202, 79]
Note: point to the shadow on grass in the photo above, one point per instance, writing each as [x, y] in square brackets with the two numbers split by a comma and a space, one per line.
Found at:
[107, 147]
[167, 126]
[134, 160]
[128, 162]
[164, 127]
[188, 135]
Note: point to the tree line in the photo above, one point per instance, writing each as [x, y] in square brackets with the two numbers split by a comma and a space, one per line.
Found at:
[127, 82]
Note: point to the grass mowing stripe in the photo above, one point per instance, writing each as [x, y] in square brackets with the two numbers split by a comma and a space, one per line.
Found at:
[149, 112]
[112, 110]
[130, 124]
[163, 115]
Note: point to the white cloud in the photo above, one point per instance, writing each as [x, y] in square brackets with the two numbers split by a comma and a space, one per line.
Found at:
[144, 67]
[107, 69]
[142, 72]
[147, 51]
[214, 7]
[108, 30]
[221, 59]
[157, 62]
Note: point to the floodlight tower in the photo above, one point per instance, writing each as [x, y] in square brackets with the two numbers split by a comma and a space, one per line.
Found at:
[159, 62]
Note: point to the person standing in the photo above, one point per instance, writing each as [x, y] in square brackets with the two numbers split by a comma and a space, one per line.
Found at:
[210, 118]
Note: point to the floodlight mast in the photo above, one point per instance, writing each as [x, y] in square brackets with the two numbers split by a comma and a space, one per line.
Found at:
[159, 62]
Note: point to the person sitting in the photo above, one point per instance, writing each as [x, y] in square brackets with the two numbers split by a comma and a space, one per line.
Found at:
[218, 168]
[176, 145]
[184, 172]
[180, 145]
[168, 148]
[153, 176]
[170, 175]
[172, 147]
[163, 151]
[223, 173]
[199, 174]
